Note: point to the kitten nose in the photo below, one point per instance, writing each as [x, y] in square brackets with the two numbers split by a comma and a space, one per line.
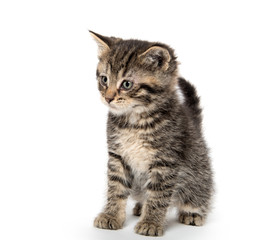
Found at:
[109, 99]
[109, 95]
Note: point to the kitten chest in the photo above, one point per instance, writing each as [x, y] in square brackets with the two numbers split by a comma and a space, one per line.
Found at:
[135, 150]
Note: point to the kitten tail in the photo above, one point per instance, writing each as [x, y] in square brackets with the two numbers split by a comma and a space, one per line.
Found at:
[191, 99]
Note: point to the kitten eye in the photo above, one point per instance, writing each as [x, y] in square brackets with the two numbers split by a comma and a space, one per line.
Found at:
[126, 85]
[104, 81]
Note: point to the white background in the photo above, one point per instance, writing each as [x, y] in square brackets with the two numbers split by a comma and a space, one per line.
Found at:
[52, 123]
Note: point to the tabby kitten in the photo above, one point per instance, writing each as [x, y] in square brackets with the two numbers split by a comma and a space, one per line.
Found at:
[156, 150]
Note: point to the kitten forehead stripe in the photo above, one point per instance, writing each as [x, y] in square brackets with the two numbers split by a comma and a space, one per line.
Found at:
[130, 58]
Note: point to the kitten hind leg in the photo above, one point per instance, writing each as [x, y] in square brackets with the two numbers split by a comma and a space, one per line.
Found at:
[137, 209]
[193, 219]
[191, 216]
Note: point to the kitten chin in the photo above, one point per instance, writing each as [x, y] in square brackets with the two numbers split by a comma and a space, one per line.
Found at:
[120, 111]
[134, 110]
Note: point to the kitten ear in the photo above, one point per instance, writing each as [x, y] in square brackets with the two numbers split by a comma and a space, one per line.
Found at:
[156, 56]
[104, 43]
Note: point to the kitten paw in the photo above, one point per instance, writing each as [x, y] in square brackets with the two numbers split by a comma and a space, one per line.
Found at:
[137, 209]
[106, 221]
[149, 229]
[193, 219]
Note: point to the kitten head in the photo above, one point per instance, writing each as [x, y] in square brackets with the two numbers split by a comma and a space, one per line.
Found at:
[133, 75]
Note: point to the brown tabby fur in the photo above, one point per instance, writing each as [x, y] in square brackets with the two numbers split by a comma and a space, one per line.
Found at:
[156, 150]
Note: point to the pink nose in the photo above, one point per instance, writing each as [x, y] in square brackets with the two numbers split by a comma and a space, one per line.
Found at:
[109, 99]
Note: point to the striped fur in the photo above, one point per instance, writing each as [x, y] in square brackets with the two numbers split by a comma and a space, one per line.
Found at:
[156, 150]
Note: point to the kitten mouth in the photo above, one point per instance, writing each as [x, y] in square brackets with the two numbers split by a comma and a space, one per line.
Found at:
[112, 107]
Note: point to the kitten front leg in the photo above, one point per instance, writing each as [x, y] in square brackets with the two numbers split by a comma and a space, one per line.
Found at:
[113, 216]
[159, 191]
